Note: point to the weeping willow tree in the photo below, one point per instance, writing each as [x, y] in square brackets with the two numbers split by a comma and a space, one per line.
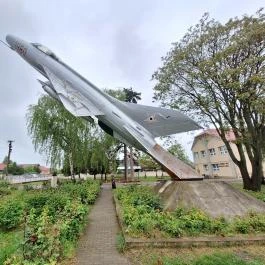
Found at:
[58, 134]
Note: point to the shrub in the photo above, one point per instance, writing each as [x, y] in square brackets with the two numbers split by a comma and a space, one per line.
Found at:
[37, 200]
[11, 214]
[4, 192]
[4, 184]
[74, 218]
[42, 244]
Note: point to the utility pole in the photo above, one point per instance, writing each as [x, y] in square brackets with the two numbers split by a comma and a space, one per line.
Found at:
[9, 154]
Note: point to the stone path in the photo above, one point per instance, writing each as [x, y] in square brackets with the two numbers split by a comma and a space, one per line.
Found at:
[98, 244]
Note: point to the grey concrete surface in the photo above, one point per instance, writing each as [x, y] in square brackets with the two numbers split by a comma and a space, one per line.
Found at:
[217, 198]
[98, 244]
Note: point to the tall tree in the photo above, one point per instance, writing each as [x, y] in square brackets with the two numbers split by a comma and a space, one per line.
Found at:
[127, 95]
[131, 96]
[57, 133]
[216, 73]
[176, 149]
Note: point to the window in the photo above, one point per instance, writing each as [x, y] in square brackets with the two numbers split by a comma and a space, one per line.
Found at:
[212, 151]
[224, 164]
[215, 167]
[203, 153]
[45, 50]
[205, 167]
[195, 155]
[223, 150]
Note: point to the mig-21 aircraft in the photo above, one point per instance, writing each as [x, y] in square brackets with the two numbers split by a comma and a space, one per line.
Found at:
[133, 124]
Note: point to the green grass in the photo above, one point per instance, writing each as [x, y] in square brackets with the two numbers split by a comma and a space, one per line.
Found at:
[217, 258]
[260, 195]
[10, 242]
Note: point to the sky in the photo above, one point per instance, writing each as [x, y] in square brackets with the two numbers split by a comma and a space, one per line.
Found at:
[113, 44]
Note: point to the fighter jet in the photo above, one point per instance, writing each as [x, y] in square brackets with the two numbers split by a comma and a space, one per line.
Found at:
[134, 125]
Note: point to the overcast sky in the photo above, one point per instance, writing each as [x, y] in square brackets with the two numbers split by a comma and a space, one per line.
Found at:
[112, 43]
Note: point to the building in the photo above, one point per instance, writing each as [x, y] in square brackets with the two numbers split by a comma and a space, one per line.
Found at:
[211, 157]
[2, 168]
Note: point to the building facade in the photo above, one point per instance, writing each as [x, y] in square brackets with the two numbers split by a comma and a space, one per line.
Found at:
[211, 158]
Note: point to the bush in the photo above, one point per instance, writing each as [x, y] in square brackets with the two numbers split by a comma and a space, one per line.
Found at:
[142, 214]
[11, 214]
[42, 244]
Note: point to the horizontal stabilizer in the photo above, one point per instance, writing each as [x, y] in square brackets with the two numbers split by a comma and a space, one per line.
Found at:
[158, 121]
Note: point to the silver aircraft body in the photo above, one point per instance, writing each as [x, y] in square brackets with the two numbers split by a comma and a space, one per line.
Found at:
[133, 124]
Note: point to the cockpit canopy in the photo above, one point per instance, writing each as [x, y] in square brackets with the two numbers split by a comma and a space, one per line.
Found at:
[45, 50]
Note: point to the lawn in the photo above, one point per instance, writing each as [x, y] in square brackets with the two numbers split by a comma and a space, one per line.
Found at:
[246, 255]
[259, 195]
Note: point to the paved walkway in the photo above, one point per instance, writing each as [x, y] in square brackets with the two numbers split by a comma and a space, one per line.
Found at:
[98, 245]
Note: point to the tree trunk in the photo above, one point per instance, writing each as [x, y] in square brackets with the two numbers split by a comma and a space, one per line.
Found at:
[105, 177]
[125, 163]
[71, 166]
[131, 163]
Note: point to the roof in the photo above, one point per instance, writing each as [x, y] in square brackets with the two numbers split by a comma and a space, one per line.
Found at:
[28, 165]
[2, 166]
[230, 136]
[44, 170]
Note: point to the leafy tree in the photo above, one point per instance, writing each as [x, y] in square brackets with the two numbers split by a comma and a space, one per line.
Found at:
[131, 96]
[32, 169]
[127, 95]
[57, 133]
[216, 74]
[14, 169]
[147, 162]
[178, 151]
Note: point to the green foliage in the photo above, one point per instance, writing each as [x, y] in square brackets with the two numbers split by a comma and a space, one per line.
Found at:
[120, 242]
[176, 149]
[14, 169]
[54, 221]
[42, 238]
[57, 133]
[148, 163]
[86, 192]
[4, 184]
[4, 188]
[142, 214]
[11, 214]
[209, 75]
[9, 243]
[32, 169]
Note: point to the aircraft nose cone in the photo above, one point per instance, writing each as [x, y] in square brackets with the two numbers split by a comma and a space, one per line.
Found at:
[11, 40]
